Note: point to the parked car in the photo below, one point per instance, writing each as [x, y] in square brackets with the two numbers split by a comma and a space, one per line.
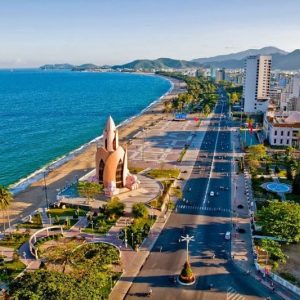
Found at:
[212, 193]
[227, 235]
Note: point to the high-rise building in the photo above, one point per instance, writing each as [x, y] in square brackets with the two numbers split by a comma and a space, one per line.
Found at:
[256, 92]
[220, 75]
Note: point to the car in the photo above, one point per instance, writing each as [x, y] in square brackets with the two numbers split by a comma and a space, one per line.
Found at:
[227, 235]
[212, 193]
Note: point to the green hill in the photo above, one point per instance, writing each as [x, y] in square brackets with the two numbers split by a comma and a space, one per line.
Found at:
[160, 63]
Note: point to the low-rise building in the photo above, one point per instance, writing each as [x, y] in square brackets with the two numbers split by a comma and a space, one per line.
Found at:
[282, 128]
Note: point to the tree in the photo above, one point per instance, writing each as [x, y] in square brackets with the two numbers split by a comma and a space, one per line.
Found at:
[289, 151]
[89, 189]
[139, 210]
[274, 250]
[114, 208]
[253, 164]
[206, 110]
[44, 285]
[5, 199]
[61, 255]
[296, 184]
[257, 151]
[281, 220]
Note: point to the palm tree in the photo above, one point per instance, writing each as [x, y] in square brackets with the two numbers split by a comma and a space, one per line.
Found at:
[5, 199]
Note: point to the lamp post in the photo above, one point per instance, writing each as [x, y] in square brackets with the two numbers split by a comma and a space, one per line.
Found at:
[48, 169]
[125, 240]
[187, 239]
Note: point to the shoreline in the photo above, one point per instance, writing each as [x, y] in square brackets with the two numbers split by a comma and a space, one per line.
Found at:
[37, 175]
[29, 192]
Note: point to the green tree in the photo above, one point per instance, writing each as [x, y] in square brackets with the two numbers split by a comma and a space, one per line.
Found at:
[281, 220]
[114, 208]
[257, 151]
[61, 255]
[206, 110]
[89, 189]
[274, 250]
[289, 151]
[5, 199]
[44, 285]
[296, 184]
[139, 210]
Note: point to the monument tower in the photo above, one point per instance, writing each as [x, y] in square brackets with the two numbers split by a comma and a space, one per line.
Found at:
[111, 162]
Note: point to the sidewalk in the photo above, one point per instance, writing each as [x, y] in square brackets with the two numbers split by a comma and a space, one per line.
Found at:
[242, 243]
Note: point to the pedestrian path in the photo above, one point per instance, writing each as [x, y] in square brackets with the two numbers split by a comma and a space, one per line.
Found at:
[203, 208]
[232, 294]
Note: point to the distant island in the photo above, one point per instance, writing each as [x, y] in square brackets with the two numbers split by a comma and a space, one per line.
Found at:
[281, 60]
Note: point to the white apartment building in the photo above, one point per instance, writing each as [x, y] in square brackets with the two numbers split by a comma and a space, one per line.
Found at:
[256, 92]
[282, 128]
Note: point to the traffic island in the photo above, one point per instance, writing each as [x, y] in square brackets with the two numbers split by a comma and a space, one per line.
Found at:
[186, 276]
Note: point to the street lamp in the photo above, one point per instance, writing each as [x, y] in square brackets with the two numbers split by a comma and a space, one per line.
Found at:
[187, 239]
[125, 233]
[45, 186]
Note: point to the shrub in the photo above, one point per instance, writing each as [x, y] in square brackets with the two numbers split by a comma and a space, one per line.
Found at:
[139, 210]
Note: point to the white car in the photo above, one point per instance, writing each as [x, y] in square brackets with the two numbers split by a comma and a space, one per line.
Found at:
[212, 193]
[227, 235]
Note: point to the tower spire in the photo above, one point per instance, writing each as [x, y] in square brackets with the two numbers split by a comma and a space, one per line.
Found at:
[110, 135]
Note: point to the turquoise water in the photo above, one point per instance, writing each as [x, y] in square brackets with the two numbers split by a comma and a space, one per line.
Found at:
[46, 114]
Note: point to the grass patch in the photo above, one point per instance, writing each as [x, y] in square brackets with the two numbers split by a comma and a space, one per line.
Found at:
[164, 173]
[15, 240]
[135, 170]
[158, 202]
[67, 212]
[36, 222]
[182, 153]
[101, 225]
[9, 270]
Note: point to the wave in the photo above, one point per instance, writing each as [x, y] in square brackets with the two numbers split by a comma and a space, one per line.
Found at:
[39, 174]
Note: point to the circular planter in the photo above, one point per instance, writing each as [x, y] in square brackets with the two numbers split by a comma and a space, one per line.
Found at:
[186, 280]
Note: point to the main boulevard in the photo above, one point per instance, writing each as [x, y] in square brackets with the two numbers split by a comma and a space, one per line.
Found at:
[206, 218]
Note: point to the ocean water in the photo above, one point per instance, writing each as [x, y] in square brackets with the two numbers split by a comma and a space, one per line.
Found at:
[46, 114]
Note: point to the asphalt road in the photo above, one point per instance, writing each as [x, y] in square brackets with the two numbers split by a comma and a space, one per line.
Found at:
[207, 218]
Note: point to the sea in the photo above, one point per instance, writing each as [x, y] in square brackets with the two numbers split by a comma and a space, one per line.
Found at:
[46, 115]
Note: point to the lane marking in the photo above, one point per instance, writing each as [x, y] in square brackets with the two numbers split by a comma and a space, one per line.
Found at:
[213, 159]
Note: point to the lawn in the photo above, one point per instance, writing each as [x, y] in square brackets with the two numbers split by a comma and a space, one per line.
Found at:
[100, 226]
[15, 240]
[67, 212]
[162, 173]
[10, 270]
[135, 170]
[36, 222]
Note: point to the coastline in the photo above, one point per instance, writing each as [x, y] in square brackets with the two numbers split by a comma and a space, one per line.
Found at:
[38, 175]
[29, 193]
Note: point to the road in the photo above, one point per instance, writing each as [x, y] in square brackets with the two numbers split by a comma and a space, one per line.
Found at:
[207, 218]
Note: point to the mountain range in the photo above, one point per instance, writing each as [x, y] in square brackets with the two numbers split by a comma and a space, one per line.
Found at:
[280, 60]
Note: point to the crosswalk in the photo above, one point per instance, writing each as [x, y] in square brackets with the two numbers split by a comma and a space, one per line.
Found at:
[203, 208]
[232, 294]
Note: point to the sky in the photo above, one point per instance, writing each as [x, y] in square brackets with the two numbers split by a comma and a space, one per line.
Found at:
[36, 32]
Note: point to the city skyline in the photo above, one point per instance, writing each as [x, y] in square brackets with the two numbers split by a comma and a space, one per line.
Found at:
[117, 32]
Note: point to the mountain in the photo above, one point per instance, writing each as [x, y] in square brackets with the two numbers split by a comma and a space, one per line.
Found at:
[240, 55]
[57, 67]
[160, 63]
[85, 67]
[290, 61]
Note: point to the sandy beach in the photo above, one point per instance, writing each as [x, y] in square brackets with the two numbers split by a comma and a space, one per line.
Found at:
[33, 197]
